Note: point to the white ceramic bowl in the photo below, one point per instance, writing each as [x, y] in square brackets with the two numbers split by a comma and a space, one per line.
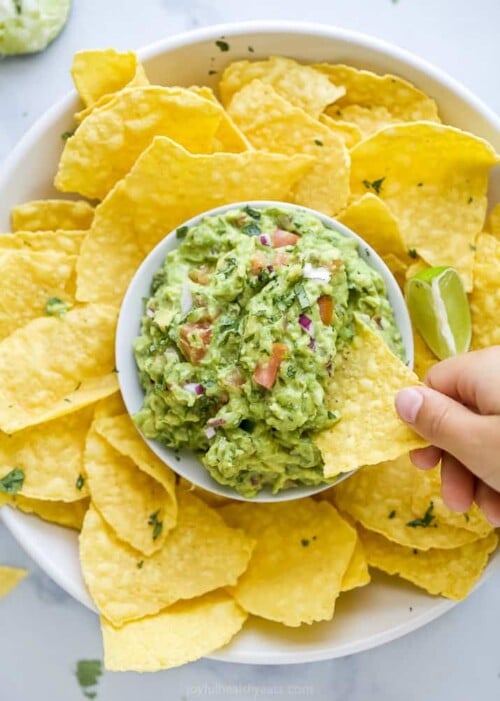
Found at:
[388, 608]
[186, 463]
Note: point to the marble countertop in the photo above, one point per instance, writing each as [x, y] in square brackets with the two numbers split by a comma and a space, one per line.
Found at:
[43, 632]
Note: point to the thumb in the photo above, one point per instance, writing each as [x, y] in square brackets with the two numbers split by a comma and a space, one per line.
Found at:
[446, 424]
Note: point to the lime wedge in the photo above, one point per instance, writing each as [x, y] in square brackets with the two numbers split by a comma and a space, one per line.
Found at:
[439, 310]
[27, 26]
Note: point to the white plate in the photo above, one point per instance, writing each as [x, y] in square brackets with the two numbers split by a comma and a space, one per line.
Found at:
[388, 608]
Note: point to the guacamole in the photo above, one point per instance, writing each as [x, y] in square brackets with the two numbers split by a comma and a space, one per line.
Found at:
[239, 338]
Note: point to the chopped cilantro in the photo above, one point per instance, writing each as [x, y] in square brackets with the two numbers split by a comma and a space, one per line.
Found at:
[55, 307]
[251, 229]
[467, 517]
[77, 387]
[412, 252]
[254, 213]
[301, 294]
[375, 185]
[222, 45]
[472, 247]
[318, 142]
[420, 184]
[426, 519]
[67, 134]
[12, 482]
[212, 72]
[333, 416]
[231, 264]
[157, 524]
[251, 49]
[140, 564]
[115, 369]
[18, 5]
[304, 542]
[415, 551]
[470, 200]
[87, 674]
[392, 513]
[181, 232]
[79, 482]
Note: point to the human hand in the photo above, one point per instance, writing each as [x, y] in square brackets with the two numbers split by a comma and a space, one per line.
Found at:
[458, 412]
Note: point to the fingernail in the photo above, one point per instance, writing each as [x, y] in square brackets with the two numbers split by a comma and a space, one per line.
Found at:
[408, 402]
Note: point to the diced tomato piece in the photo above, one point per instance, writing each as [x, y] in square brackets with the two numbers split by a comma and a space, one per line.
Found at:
[325, 304]
[203, 334]
[265, 374]
[200, 276]
[281, 238]
[257, 263]
[282, 258]
[333, 265]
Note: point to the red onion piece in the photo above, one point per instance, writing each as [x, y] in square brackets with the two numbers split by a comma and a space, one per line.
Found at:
[186, 298]
[195, 388]
[213, 423]
[210, 432]
[306, 323]
[265, 240]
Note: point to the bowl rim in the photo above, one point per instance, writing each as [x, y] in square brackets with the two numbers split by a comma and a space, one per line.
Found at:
[129, 324]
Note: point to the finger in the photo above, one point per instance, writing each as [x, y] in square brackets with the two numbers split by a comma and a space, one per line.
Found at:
[457, 484]
[426, 458]
[470, 378]
[473, 439]
[488, 501]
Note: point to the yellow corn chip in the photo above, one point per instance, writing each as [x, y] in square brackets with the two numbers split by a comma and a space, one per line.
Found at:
[200, 554]
[357, 574]
[53, 366]
[61, 241]
[210, 498]
[428, 488]
[111, 406]
[10, 578]
[380, 498]
[270, 122]
[372, 219]
[100, 72]
[51, 457]
[302, 86]
[303, 551]
[67, 514]
[434, 179]
[50, 215]
[28, 283]
[180, 634]
[109, 141]
[493, 222]
[135, 495]
[373, 101]
[485, 297]
[451, 573]
[348, 132]
[424, 358]
[167, 186]
[362, 390]
[228, 137]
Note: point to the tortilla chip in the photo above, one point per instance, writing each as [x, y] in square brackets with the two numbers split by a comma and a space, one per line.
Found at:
[270, 122]
[167, 186]
[485, 297]
[50, 215]
[210, 498]
[51, 457]
[371, 218]
[434, 179]
[42, 380]
[136, 496]
[302, 86]
[110, 406]
[428, 488]
[451, 573]
[424, 358]
[62, 241]
[228, 138]
[101, 72]
[27, 282]
[296, 571]
[417, 267]
[109, 141]
[357, 573]
[180, 634]
[67, 514]
[365, 380]
[348, 132]
[200, 554]
[380, 498]
[493, 222]
[10, 577]
[373, 101]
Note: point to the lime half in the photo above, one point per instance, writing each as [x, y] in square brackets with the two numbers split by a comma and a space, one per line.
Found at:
[439, 309]
[30, 25]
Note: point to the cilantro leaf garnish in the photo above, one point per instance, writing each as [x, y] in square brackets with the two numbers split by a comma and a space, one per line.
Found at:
[12, 482]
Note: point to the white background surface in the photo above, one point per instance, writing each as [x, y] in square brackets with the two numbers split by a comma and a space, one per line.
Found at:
[42, 631]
